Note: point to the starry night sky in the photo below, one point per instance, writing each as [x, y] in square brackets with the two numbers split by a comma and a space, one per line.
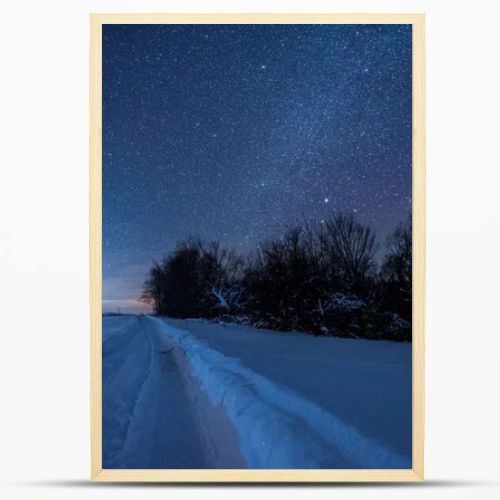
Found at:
[233, 132]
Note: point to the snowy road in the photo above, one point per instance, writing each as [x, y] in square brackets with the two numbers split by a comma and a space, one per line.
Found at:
[154, 415]
[191, 394]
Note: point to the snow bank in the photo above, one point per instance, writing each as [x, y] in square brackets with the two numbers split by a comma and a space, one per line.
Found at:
[278, 428]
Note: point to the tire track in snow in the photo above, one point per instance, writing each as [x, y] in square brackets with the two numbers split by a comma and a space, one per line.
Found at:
[151, 421]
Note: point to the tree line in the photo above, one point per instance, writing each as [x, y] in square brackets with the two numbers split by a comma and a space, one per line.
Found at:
[321, 279]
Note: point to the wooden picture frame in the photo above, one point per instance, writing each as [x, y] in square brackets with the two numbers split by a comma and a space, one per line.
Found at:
[416, 473]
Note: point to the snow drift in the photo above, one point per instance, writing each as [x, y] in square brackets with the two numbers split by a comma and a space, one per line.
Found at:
[279, 427]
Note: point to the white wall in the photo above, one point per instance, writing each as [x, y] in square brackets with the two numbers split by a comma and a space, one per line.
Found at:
[44, 431]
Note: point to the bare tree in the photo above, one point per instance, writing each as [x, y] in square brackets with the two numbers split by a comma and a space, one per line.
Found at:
[396, 272]
[352, 248]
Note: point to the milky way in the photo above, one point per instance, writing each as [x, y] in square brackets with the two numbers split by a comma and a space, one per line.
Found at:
[233, 132]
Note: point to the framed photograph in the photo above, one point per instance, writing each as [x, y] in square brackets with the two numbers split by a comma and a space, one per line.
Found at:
[257, 247]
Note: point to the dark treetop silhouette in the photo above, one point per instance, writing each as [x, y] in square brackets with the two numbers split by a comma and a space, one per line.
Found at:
[318, 279]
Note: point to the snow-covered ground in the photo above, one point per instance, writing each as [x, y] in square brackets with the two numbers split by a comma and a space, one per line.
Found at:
[193, 394]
